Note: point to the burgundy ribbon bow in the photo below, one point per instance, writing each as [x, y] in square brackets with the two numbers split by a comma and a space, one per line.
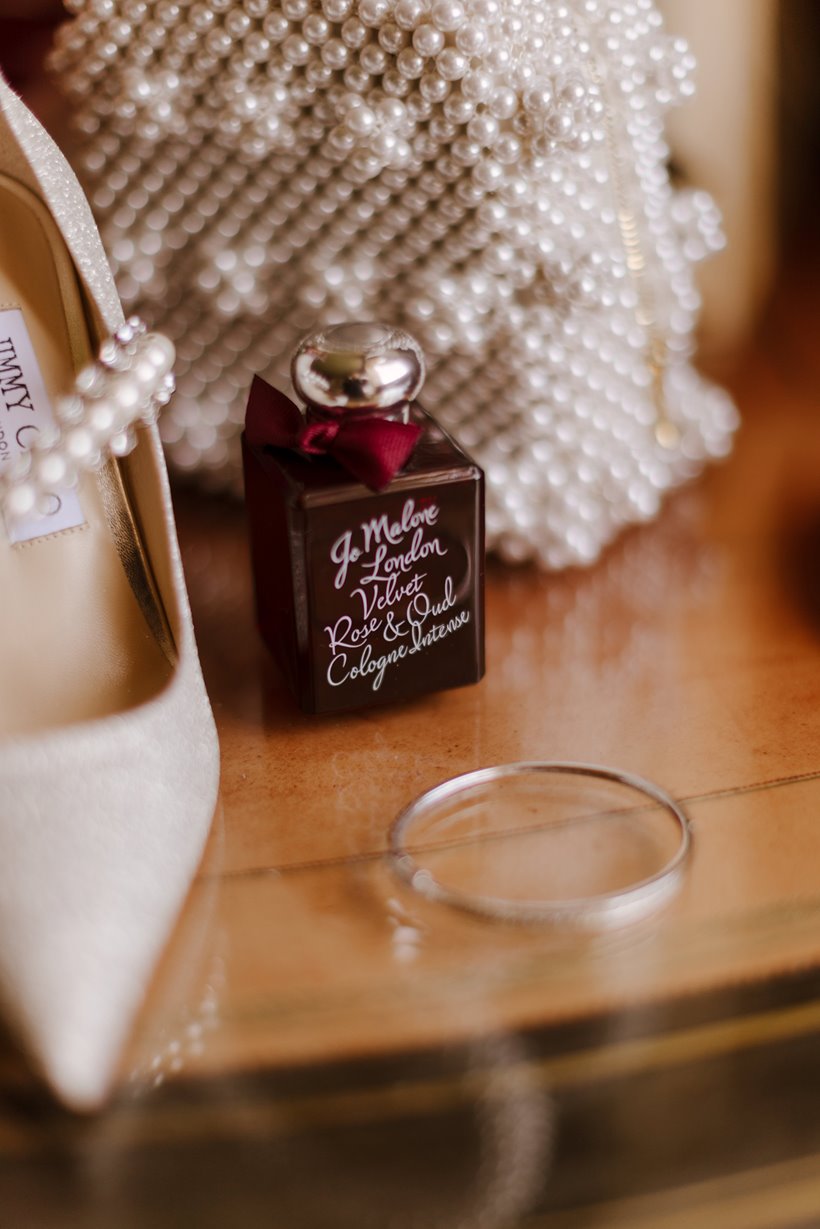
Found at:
[371, 449]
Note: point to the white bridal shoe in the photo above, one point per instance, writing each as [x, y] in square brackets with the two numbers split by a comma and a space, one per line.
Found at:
[108, 752]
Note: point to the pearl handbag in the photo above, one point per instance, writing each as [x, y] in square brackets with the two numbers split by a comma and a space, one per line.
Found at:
[490, 174]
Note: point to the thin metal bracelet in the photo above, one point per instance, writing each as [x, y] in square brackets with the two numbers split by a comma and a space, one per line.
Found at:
[600, 912]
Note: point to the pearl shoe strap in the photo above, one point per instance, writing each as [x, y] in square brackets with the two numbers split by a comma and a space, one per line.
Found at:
[127, 385]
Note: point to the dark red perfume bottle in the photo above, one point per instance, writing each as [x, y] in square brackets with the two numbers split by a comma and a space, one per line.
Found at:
[367, 527]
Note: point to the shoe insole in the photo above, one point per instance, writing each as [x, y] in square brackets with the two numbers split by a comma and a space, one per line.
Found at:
[74, 640]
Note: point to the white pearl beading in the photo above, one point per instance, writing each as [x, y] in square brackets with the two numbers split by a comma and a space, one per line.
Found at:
[127, 385]
[489, 174]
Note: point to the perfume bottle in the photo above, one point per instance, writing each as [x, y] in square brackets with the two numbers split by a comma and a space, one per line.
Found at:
[366, 525]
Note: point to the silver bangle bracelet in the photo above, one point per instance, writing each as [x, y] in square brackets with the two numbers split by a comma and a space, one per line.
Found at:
[601, 911]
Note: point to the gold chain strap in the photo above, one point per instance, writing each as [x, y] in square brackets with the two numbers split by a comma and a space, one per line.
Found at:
[657, 352]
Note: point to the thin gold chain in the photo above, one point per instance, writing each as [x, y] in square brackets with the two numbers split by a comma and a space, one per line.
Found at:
[657, 351]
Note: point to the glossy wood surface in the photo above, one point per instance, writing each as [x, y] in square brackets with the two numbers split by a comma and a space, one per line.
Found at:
[324, 1048]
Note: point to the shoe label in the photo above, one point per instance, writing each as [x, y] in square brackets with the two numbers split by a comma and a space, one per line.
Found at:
[25, 411]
